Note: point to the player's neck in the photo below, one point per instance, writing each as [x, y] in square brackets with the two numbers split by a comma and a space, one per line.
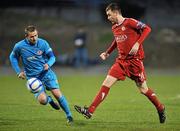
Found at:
[120, 19]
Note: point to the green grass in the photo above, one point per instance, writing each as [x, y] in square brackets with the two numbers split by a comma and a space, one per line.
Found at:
[124, 108]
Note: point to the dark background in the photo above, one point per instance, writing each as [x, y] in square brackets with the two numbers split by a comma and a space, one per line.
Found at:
[57, 21]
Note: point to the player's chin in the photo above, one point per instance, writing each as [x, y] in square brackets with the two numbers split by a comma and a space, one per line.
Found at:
[112, 22]
[33, 42]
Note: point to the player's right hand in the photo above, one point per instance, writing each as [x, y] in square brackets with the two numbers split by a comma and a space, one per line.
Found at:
[22, 75]
[104, 55]
[46, 66]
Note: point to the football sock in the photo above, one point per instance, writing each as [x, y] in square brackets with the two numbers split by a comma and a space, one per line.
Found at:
[99, 98]
[64, 105]
[52, 103]
[153, 98]
[49, 99]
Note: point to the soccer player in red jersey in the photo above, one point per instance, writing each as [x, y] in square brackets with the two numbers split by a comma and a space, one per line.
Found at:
[129, 35]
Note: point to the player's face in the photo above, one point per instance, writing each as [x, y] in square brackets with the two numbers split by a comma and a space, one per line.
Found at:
[32, 37]
[112, 16]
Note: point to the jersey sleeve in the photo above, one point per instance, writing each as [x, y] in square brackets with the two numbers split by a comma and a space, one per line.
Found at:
[50, 54]
[14, 59]
[111, 47]
[141, 27]
[47, 48]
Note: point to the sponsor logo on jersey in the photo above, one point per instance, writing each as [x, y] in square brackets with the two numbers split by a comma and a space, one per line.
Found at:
[23, 49]
[120, 38]
[31, 58]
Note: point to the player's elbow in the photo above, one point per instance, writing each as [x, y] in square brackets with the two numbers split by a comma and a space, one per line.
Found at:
[148, 29]
[11, 57]
[53, 58]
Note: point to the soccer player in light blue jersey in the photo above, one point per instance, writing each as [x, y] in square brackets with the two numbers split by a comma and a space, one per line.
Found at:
[37, 58]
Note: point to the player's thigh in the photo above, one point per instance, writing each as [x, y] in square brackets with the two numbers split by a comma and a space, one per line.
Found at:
[117, 72]
[136, 71]
[51, 81]
[109, 81]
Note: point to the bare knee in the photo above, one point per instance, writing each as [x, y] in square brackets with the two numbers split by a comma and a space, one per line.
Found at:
[143, 90]
[56, 93]
[142, 87]
[109, 81]
[42, 98]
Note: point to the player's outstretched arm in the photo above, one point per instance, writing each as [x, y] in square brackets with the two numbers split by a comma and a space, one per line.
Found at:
[51, 60]
[14, 63]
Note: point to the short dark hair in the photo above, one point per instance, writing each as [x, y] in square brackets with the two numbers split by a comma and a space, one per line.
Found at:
[30, 28]
[113, 7]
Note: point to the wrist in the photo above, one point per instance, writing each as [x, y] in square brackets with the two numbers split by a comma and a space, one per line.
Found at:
[17, 74]
[137, 43]
[106, 53]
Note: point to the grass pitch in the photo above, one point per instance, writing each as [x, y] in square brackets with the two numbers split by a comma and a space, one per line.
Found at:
[124, 109]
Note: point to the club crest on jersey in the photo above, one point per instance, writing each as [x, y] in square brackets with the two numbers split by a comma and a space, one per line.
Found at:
[39, 52]
[123, 28]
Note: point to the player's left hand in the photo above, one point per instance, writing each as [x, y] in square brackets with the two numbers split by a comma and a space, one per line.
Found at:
[22, 75]
[134, 49]
[46, 66]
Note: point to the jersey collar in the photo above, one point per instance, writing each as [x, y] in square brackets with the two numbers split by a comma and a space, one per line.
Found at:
[118, 24]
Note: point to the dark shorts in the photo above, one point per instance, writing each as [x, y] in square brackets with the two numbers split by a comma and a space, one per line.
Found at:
[133, 68]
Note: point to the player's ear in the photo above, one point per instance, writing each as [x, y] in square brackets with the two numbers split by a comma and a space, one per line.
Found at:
[116, 12]
[26, 34]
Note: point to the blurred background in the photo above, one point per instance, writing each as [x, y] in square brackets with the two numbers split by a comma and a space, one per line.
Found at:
[78, 31]
[70, 25]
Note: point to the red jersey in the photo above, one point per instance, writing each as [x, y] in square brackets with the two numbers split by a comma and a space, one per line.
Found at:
[126, 35]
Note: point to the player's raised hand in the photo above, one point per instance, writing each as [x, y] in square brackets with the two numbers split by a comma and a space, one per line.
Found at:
[134, 49]
[22, 75]
[104, 55]
[46, 66]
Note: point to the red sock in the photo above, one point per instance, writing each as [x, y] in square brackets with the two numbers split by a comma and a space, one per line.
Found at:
[153, 98]
[99, 98]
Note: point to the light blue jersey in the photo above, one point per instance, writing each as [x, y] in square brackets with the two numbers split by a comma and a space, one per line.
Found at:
[33, 56]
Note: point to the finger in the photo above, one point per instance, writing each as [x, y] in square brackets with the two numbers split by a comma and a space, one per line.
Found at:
[19, 76]
[130, 52]
[102, 57]
[23, 77]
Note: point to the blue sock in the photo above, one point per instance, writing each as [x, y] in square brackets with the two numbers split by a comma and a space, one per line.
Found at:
[64, 105]
[52, 103]
[49, 99]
